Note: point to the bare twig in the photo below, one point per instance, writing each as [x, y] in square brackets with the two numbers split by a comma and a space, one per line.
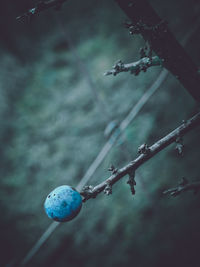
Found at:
[154, 30]
[136, 67]
[182, 187]
[120, 130]
[153, 150]
[41, 6]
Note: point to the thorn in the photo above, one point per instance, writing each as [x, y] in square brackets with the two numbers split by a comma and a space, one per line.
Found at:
[58, 6]
[131, 182]
[179, 145]
[143, 149]
[113, 169]
[108, 189]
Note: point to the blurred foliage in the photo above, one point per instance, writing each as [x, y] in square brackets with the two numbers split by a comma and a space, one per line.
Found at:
[52, 128]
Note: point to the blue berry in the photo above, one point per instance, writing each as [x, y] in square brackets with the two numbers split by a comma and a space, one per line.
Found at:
[63, 203]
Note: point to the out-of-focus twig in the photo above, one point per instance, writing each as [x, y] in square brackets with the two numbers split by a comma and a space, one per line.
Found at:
[135, 67]
[41, 6]
[182, 187]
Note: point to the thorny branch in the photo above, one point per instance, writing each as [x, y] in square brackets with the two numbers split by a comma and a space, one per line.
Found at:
[182, 187]
[41, 6]
[136, 67]
[145, 21]
[91, 192]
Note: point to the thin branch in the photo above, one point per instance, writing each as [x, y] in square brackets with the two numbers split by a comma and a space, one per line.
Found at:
[52, 227]
[120, 130]
[100, 157]
[182, 187]
[136, 67]
[154, 30]
[91, 192]
[41, 6]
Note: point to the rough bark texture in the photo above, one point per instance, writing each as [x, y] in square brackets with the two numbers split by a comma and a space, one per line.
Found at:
[155, 31]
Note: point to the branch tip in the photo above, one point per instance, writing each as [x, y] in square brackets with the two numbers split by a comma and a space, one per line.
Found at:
[135, 67]
[131, 181]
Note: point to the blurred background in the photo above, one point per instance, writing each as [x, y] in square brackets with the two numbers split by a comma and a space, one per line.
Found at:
[55, 105]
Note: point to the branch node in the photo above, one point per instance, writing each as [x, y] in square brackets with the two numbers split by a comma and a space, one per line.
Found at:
[91, 192]
[113, 170]
[108, 189]
[140, 28]
[183, 186]
[131, 181]
[179, 145]
[41, 6]
[87, 193]
[144, 149]
[117, 68]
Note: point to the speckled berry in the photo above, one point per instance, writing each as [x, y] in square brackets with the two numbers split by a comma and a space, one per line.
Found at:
[63, 203]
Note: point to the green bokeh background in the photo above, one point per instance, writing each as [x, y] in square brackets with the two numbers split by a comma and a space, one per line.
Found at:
[52, 127]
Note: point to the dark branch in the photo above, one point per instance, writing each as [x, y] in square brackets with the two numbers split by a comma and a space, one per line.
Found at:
[91, 192]
[136, 67]
[146, 22]
[41, 6]
[182, 187]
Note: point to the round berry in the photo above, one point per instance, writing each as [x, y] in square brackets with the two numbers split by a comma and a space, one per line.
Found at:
[63, 203]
